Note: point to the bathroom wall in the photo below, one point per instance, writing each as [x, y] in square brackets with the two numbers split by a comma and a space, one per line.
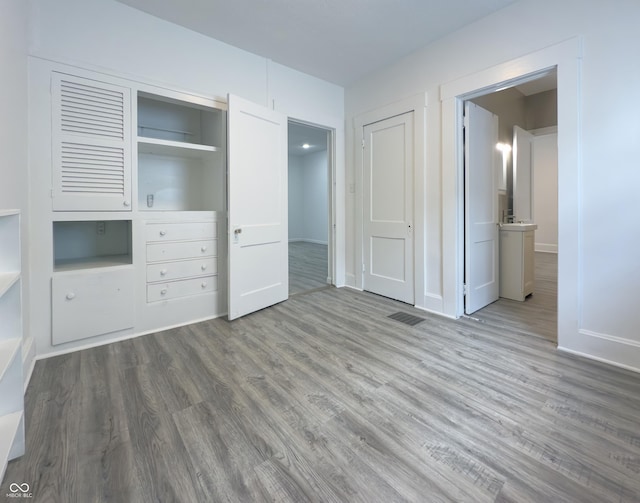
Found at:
[544, 166]
[541, 110]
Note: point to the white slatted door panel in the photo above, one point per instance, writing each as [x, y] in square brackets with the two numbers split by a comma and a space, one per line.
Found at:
[91, 145]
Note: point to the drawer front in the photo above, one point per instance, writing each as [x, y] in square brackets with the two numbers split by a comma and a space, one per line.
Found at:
[180, 231]
[88, 303]
[179, 270]
[182, 288]
[181, 250]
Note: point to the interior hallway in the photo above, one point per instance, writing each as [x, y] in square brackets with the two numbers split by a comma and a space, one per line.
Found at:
[308, 268]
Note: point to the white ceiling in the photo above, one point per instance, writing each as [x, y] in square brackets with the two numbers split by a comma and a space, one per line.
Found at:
[336, 40]
[299, 134]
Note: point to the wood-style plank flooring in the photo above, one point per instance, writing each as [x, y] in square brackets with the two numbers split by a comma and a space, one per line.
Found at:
[308, 267]
[324, 398]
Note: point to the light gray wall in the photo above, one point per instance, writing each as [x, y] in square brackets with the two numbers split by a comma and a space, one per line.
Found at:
[308, 197]
[296, 198]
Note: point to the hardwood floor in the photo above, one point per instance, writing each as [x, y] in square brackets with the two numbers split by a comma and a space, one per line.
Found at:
[308, 267]
[325, 398]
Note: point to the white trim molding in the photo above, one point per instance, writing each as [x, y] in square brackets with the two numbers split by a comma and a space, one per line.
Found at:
[567, 58]
[610, 349]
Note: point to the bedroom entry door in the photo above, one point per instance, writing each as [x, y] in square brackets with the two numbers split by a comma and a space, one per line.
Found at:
[388, 208]
[258, 274]
[481, 268]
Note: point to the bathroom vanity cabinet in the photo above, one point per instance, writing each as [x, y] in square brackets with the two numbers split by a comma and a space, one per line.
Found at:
[517, 260]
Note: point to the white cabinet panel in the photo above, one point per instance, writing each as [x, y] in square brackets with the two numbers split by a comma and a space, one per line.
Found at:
[89, 303]
[91, 145]
[180, 231]
[181, 250]
[166, 271]
[182, 288]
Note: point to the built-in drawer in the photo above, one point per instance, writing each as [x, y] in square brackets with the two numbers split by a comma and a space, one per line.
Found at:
[179, 231]
[157, 252]
[182, 288]
[166, 271]
[89, 303]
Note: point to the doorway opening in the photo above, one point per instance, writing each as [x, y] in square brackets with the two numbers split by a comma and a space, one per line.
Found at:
[523, 189]
[310, 181]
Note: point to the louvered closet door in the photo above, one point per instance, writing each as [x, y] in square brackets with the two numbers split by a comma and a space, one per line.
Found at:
[91, 145]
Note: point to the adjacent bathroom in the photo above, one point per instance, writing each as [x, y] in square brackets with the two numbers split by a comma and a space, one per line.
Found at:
[527, 174]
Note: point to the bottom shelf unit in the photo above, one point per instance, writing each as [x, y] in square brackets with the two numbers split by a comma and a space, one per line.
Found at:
[11, 439]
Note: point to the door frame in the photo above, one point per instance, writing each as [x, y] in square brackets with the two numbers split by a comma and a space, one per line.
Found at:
[331, 193]
[418, 105]
[566, 57]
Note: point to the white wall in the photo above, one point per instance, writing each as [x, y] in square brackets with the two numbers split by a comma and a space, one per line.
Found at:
[603, 274]
[14, 172]
[308, 197]
[296, 199]
[109, 37]
[544, 162]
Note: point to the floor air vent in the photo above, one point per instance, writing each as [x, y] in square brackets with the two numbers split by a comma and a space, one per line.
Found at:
[406, 318]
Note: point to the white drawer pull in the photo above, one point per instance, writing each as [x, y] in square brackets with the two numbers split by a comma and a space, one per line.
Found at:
[163, 291]
[163, 272]
[126, 204]
[203, 249]
[203, 284]
[71, 296]
[163, 233]
[203, 267]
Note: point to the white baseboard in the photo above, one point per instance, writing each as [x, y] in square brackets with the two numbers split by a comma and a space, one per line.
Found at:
[546, 248]
[305, 240]
[350, 280]
[610, 349]
[432, 303]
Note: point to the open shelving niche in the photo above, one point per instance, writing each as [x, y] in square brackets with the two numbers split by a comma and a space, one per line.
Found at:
[89, 244]
[12, 442]
[181, 158]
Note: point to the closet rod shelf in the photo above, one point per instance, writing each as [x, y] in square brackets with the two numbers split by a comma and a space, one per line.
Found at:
[175, 148]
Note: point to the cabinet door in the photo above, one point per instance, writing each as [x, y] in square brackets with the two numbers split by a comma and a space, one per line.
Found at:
[91, 136]
[90, 303]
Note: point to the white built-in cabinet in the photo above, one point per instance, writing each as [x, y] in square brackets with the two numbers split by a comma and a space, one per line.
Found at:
[138, 199]
[91, 145]
[12, 442]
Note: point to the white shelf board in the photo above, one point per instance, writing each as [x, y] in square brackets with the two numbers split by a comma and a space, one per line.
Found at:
[8, 213]
[174, 148]
[8, 351]
[91, 262]
[9, 424]
[7, 279]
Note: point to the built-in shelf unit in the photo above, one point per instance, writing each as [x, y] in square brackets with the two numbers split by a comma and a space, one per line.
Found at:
[180, 155]
[11, 382]
[91, 244]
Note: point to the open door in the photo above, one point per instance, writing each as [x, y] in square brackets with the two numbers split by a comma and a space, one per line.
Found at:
[481, 208]
[522, 175]
[258, 274]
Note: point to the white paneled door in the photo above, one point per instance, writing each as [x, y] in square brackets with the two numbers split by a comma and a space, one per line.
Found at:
[481, 208]
[257, 191]
[388, 208]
